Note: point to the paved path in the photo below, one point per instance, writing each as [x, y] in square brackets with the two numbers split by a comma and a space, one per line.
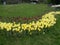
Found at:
[55, 5]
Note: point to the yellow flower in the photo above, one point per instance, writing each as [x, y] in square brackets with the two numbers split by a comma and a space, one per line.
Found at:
[57, 12]
[46, 21]
[39, 29]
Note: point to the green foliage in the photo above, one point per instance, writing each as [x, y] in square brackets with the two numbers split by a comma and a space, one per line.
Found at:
[0, 1]
[51, 36]
[48, 1]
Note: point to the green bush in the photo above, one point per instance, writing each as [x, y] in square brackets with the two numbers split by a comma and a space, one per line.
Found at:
[0, 1]
[48, 1]
[45, 1]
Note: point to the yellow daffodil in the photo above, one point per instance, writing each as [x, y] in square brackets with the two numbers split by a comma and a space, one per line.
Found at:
[46, 21]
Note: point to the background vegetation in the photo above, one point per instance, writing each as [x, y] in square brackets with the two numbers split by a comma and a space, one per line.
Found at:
[29, 1]
[50, 37]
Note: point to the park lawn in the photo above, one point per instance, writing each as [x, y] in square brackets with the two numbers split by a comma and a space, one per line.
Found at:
[24, 10]
[51, 37]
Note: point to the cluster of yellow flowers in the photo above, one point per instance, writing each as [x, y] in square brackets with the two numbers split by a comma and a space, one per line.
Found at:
[57, 12]
[47, 21]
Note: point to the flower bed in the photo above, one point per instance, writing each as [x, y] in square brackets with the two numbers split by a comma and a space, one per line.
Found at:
[46, 21]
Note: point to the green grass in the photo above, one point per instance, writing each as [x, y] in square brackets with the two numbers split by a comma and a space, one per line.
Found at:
[51, 37]
[23, 10]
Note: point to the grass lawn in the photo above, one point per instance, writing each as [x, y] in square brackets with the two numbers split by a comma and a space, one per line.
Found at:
[51, 37]
[24, 10]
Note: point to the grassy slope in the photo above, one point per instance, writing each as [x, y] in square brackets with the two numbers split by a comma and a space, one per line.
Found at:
[52, 37]
[23, 10]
